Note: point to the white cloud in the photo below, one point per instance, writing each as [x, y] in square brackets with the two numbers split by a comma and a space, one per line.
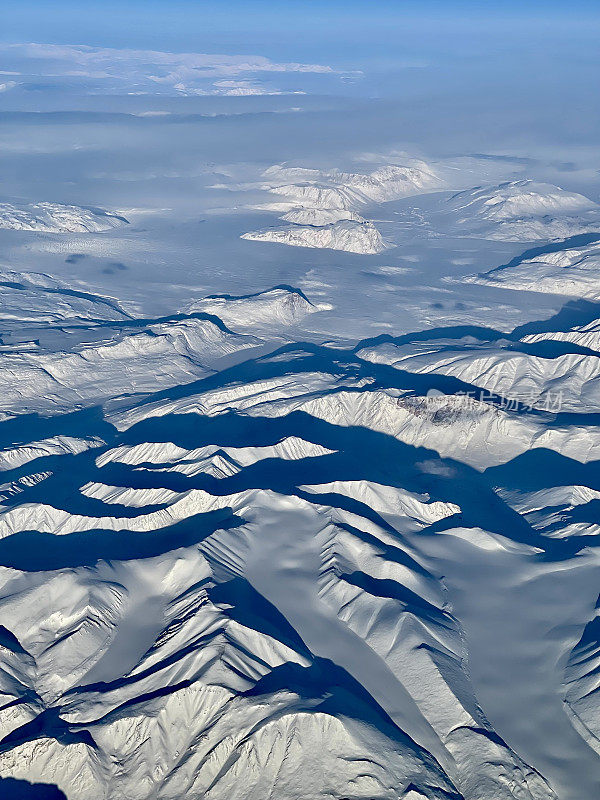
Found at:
[152, 70]
[231, 88]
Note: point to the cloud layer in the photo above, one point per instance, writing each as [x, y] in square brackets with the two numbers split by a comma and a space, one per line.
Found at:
[153, 71]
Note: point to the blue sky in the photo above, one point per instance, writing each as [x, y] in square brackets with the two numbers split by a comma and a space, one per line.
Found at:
[299, 29]
[527, 68]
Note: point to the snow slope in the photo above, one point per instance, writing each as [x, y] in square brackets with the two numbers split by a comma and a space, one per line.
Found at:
[322, 205]
[243, 566]
[521, 211]
[57, 218]
[353, 237]
[125, 355]
[572, 271]
[299, 187]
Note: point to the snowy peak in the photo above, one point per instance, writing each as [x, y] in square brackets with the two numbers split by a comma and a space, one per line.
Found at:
[572, 271]
[57, 218]
[336, 189]
[113, 354]
[281, 306]
[320, 216]
[519, 199]
[350, 236]
[522, 211]
[324, 204]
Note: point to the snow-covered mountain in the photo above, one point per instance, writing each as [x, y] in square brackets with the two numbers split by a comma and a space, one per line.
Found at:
[353, 237]
[522, 211]
[298, 187]
[32, 300]
[323, 205]
[126, 355]
[299, 401]
[571, 271]
[224, 551]
[320, 216]
[57, 218]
